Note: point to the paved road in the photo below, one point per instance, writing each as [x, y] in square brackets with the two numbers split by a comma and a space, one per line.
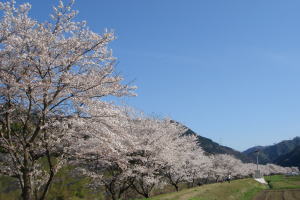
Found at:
[290, 194]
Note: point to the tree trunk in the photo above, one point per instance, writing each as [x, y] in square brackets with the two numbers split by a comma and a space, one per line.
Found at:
[193, 182]
[27, 189]
[217, 179]
[146, 195]
[176, 187]
[51, 175]
[113, 197]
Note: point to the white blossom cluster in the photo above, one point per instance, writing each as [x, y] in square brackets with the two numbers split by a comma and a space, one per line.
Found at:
[157, 152]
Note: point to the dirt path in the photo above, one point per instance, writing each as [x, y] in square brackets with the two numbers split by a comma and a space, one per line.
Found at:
[289, 194]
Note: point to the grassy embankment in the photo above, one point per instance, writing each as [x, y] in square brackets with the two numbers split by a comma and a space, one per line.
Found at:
[68, 186]
[280, 187]
[244, 189]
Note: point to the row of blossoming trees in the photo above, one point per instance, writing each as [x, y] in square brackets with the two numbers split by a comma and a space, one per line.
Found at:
[53, 78]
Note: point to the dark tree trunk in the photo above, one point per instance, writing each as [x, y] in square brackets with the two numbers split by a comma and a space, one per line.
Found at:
[113, 197]
[217, 179]
[146, 195]
[51, 175]
[176, 187]
[143, 191]
[27, 189]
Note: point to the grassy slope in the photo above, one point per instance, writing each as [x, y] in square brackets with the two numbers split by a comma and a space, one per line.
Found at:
[244, 189]
[67, 186]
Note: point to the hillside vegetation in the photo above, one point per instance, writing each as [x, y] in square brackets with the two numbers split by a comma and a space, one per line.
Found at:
[290, 159]
[269, 154]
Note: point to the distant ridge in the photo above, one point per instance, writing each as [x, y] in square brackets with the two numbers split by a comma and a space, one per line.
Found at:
[285, 153]
[270, 154]
[253, 149]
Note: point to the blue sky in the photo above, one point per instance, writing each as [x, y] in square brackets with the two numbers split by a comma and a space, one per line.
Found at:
[227, 69]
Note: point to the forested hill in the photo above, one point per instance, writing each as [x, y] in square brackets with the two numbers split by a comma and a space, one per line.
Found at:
[214, 148]
[290, 159]
[270, 154]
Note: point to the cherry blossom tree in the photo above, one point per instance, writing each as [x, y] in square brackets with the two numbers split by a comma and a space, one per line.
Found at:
[101, 146]
[49, 73]
[224, 165]
[115, 178]
[154, 138]
[217, 170]
[164, 154]
[135, 159]
[182, 159]
[198, 167]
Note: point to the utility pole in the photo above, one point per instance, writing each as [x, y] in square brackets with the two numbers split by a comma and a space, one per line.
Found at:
[257, 152]
[257, 173]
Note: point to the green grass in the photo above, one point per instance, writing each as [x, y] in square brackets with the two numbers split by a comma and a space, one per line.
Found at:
[244, 189]
[283, 182]
[281, 187]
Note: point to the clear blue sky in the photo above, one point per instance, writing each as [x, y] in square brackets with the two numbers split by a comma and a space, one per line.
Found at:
[230, 70]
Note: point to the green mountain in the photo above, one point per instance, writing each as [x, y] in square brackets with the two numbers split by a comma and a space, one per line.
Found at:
[269, 154]
[290, 159]
[285, 153]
